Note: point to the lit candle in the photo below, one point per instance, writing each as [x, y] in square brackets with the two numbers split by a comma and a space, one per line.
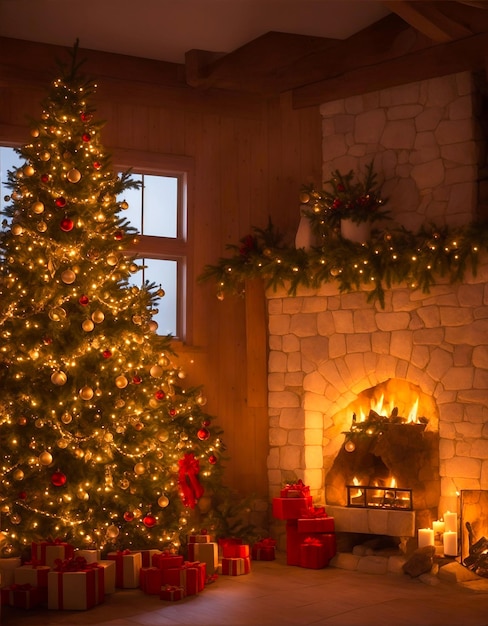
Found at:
[425, 537]
[450, 543]
[438, 527]
[450, 522]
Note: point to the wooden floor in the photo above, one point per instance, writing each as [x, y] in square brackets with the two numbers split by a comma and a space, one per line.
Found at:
[274, 593]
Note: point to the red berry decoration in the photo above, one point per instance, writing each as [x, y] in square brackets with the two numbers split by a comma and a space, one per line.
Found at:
[58, 479]
[119, 235]
[206, 423]
[47, 341]
[86, 137]
[97, 165]
[60, 202]
[85, 117]
[83, 300]
[203, 434]
[106, 354]
[212, 459]
[172, 411]
[67, 224]
[45, 178]
[160, 395]
[128, 516]
[149, 521]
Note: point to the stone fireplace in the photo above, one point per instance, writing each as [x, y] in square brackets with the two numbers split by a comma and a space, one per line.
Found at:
[328, 351]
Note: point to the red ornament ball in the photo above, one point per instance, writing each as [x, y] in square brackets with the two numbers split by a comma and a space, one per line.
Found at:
[86, 137]
[212, 459]
[119, 235]
[137, 380]
[106, 354]
[83, 300]
[149, 521]
[67, 224]
[60, 202]
[172, 411]
[203, 434]
[22, 495]
[85, 117]
[128, 516]
[58, 479]
[97, 165]
[47, 341]
[206, 423]
[45, 178]
[160, 395]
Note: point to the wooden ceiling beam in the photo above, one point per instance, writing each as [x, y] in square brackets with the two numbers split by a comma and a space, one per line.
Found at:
[456, 56]
[430, 19]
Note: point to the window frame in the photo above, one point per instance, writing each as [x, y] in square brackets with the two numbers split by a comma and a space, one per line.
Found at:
[179, 249]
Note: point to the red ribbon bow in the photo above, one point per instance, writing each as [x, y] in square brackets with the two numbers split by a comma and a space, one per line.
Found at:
[267, 542]
[77, 564]
[190, 488]
[315, 511]
[312, 541]
[17, 587]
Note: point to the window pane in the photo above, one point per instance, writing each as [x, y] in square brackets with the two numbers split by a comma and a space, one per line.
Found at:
[134, 199]
[162, 272]
[160, 208]
[9, 160]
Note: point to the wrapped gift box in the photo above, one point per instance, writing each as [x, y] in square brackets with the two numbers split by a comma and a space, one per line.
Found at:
[23, 596]
[233, 566]
[91, 556]
[236, 551]
[264, 550]
[174, 576]
[172, 593]
[165, 560]
[47, 552]
[330, 542]
[316, 525]
[195, 577]
[207, 553]
[34, 575]
[72, 591]
[295, 490]
[313, 554]
[127, 568]
[291, 508]
[293, 541]
[147, 557]
[223, 542]
[108, 571]
[7, 568]
[151, 580]
[201, 537]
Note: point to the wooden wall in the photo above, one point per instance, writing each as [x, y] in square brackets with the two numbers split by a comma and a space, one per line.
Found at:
[251, 156]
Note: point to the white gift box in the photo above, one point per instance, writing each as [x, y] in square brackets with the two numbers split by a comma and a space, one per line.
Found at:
[207, 553]
[73, 591]
[109, 575]
[31, 575]
[127, 568]
[90, 556]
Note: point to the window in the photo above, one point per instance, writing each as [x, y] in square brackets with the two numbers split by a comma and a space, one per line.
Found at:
[158, 211]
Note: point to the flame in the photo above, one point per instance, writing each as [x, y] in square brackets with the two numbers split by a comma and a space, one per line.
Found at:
[393, 482]
[385, 409]
[412, 416]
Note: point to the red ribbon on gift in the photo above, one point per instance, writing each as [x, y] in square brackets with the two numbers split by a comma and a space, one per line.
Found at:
[190, 488]
[313, 541]
[78, 564]
[267, 542]
[35, 563]
[314, 512]
[299, 486]
[17, 587]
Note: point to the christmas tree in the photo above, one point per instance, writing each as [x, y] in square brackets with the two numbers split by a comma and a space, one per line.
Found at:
[99, 443]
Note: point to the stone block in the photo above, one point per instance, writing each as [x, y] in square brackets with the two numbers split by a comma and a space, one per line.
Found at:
[345, 560]
[395, 564]
[373, 565]
[454, 572]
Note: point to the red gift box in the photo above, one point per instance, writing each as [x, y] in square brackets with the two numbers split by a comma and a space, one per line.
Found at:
[264, 550]
[172, 593]
[151, 579]
[166, 560]
[330, 542]
[195, 577]
[23, 596]
[313, 553]
[46, 552]
[34, 575]
[229, 541]
[316, 525]
[233, 566]
[291, 508]
[127, 568]
[175, 576]
[296, 490]
[235, 551]
[293, 541]
[147, 557]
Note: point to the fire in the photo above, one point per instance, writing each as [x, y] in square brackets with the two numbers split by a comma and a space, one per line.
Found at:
[387, 408]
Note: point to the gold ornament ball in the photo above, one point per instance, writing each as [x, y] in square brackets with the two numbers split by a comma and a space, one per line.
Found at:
[133, 268]
[163, 361]
[34, 132]
[83, 495]
[98, 317]
[139, 469]
[88, 326]
[18, 474]
[29, 170]
[45, 156]
[137, 319]
[163, 435]
[57, 314]
[156, 371]
[349, 446]
[42, 227]
[34, 354]
[22, 421]
[86, 393]
[124, 205]
[38, 207]
[62, 443]
[68, 277]
[161, 292]
[59, 378]
[15, 518]
[121, 382]
[304, 197]
[78, 452]
[112, 531]
[74, 176]
[112, 260]
[163, 502]
[153, 326]
[201, 400]
[45, 458]
[17, 229]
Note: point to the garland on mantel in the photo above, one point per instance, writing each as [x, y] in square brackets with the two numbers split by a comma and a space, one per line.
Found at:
[393, 256]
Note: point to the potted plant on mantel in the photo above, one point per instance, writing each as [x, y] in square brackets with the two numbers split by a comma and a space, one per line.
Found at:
[348, 206]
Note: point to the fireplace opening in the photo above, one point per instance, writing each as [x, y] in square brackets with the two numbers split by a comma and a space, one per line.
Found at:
[389, 452]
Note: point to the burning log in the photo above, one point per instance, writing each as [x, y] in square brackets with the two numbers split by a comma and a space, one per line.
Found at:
[477, 561]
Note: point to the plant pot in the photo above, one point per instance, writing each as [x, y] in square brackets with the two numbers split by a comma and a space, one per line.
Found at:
[354, 231]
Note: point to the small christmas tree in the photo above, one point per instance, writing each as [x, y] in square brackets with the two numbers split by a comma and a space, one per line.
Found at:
[99, 443]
